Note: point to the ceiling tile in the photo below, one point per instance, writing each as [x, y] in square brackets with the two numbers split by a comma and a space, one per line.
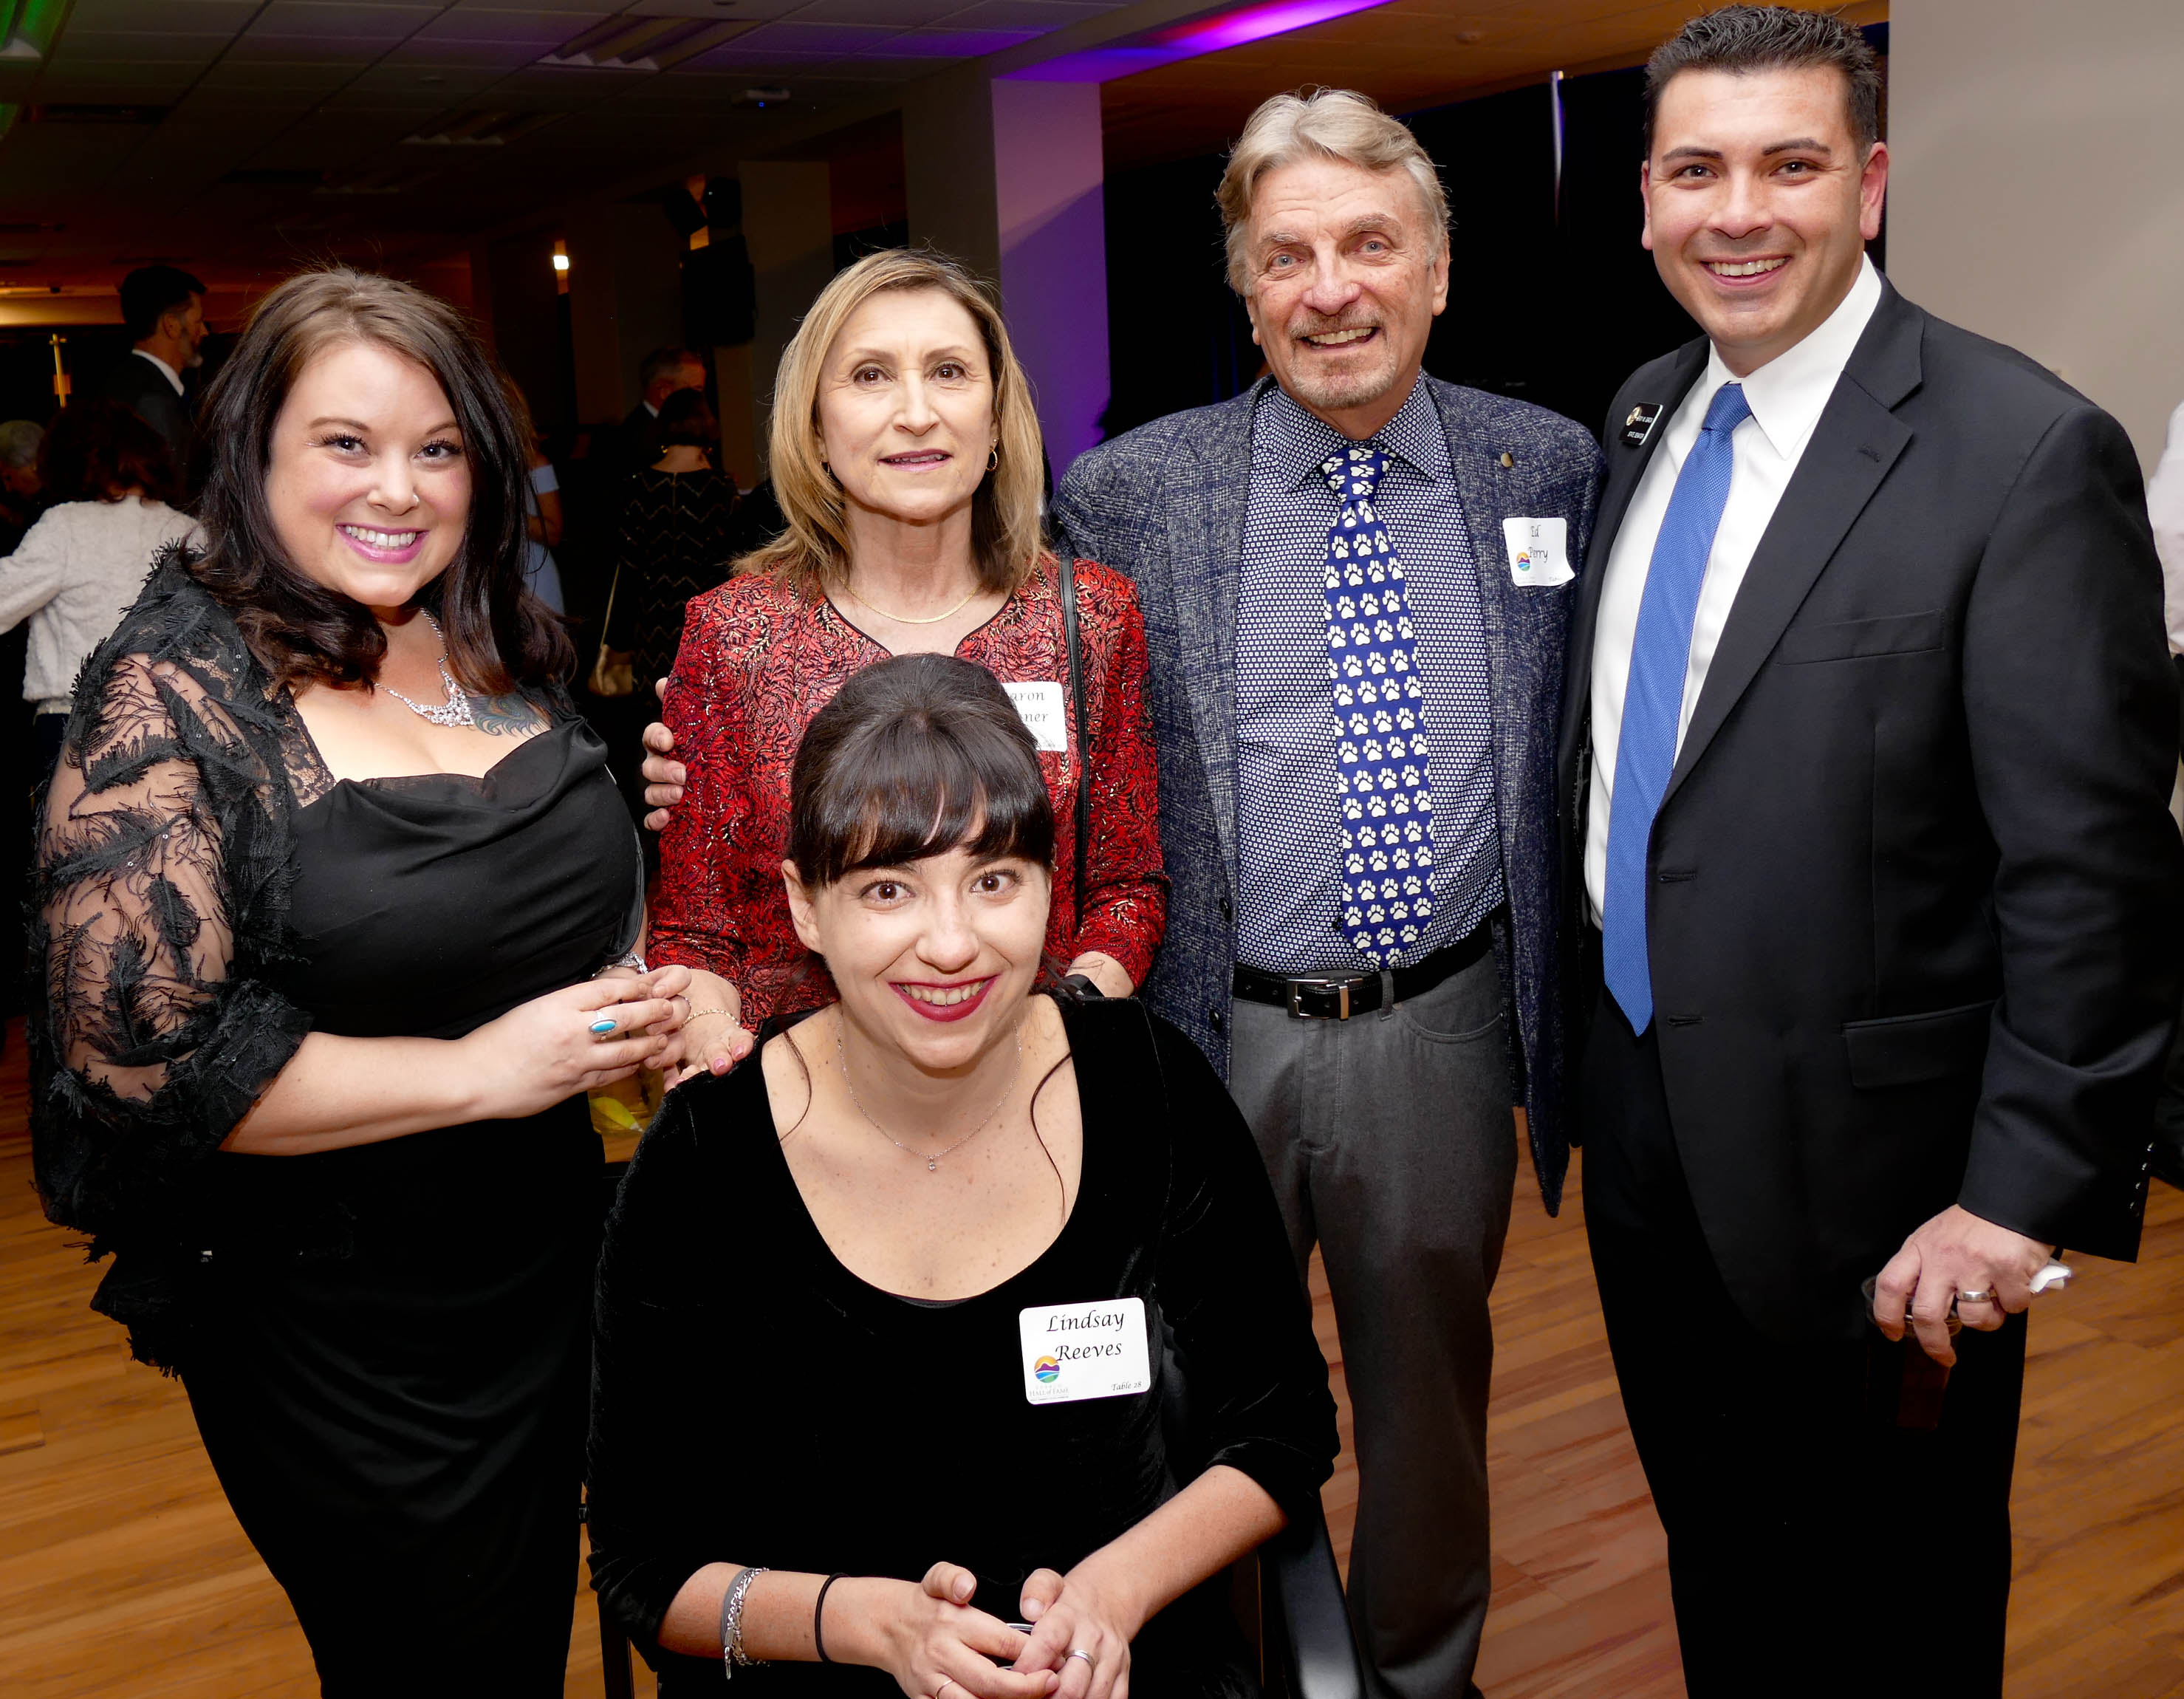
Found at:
[145, 80]
[343, 19]
[796, 36]
[902, 14]
[540, 31]
[354, 51]
[502, 56]
[299, 83]
[223, 17]
[954, 44]
[1042, 15]
[142, 46]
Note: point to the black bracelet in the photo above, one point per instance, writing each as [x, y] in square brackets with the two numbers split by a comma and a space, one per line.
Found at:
[818, 1613]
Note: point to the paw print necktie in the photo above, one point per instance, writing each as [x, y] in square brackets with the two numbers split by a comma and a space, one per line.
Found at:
[1381, 782]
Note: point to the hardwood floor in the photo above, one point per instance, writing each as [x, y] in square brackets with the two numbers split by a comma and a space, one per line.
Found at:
[123, 1576]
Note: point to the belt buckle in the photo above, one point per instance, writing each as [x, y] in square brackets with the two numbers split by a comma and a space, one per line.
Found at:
[1299, 987]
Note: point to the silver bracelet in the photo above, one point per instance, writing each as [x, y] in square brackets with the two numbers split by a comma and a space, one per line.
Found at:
[732, 1655]
[629, 958]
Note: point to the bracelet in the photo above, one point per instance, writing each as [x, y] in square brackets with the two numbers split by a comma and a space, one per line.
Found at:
[818, 1615]
[732, 1655]
[694, 1013]
[629, 958]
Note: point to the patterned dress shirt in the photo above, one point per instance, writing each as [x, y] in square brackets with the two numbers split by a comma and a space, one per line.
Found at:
[1289, 831]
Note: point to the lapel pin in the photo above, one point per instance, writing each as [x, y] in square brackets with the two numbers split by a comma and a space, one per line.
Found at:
[1508, 460]
[1638, 428]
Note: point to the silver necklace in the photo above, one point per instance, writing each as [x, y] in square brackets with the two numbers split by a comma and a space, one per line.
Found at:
[456, 712]
[930, 1158]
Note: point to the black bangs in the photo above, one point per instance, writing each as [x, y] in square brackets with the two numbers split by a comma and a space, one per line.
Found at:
[917, 756]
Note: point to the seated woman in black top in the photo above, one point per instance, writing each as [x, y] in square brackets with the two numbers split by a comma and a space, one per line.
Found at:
[882, 1318]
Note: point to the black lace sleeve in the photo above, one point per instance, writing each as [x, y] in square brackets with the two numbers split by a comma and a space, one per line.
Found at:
[158, 904]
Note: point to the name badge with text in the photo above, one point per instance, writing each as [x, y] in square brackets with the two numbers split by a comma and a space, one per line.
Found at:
[1039, 707]
[1538, 552]
[1084, 1350]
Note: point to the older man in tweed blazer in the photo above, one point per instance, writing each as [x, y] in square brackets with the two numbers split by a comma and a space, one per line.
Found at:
[1375, 1042]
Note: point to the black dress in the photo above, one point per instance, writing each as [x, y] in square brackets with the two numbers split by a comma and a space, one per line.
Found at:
[755, 1403]
[384, 1345]
[675, 544]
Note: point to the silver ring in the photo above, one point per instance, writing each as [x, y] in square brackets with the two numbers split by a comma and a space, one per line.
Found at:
[1984, 1295]
[946, 1682]
[1090, 1661]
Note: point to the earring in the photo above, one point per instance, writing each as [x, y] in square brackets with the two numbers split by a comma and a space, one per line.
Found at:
[993, 460]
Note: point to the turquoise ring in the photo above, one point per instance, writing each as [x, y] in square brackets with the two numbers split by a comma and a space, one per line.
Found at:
[602, 1029]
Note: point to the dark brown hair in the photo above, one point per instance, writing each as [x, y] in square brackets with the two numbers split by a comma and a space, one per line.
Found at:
[498, 635]
[100, 450]
[1745, 39]
[916, 756]
[686, 421]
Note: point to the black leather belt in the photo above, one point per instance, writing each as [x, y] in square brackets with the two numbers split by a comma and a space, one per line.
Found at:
[1338, 996]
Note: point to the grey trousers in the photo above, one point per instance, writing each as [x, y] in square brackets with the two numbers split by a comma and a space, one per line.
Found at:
[1390, 1141]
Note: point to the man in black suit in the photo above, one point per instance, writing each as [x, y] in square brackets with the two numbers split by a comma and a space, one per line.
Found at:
[163, 308]
[659, 376]
[1868, 731]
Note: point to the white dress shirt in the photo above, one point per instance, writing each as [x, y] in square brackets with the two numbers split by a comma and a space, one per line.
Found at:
[2165, 505]
[1787, 396]
[166, 370]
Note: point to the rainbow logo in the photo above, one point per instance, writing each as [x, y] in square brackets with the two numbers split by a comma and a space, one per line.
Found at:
[1523, 559]
[1046, 1371]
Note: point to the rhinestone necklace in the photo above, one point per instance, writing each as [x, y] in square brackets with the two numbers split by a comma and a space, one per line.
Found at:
[456, 712]
[930, 1158]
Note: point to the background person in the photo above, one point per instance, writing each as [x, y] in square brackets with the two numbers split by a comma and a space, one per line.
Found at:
[163, 309]
[676, 523]
[1879, 734]
[542, 506]
[110, 478]
[944, 1150]
[907, 454]
[325, 872]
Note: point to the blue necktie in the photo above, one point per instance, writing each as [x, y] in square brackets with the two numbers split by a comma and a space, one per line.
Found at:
[1379, 722]
[1653, 700]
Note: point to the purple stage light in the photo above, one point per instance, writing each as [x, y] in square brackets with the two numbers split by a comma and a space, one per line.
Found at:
[1188, 39]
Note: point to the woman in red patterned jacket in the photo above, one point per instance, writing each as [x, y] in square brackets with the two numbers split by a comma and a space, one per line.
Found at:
[906, 457]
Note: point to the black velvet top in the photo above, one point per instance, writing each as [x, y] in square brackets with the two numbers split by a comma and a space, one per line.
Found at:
[754, 1401]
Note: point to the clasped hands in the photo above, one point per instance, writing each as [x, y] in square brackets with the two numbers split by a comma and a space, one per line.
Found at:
[1078, 1648]
[1957, 1252]
[704, 1033]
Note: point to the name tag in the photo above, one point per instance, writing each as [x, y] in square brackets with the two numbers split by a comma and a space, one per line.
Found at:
[1084, 1350]
[1039, 707]
[1538, 552]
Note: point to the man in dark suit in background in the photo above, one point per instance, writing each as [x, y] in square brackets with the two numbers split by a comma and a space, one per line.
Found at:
[659, 376]
[1867, 741]
[163, 309]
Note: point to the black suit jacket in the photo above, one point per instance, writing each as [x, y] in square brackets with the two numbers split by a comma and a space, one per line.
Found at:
[143, 387]
[1916, 905]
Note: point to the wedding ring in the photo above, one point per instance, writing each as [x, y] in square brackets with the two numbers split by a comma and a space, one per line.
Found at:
[1090, 1661]
[1984, 1296]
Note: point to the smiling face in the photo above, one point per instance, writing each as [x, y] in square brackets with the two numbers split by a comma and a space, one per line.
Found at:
[934, 960]
[1759, 204]
[367, 483]
[1347, 273]
[906, 407]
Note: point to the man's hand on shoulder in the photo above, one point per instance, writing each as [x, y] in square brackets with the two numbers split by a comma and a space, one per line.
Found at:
[664, 779]
[1955, 1253]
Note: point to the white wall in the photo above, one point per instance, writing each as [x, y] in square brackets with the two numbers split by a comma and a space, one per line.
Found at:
[2038, 190]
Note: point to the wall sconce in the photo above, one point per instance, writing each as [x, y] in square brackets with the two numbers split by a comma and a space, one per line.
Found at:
[561, 268]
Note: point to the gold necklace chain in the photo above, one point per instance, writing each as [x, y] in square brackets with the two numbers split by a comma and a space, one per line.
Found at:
[930, 1158]
[928, 619]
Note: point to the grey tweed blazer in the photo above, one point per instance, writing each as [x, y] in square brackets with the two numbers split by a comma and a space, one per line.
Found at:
[1166, 504]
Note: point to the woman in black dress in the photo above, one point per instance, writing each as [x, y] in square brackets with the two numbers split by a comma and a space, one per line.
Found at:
[325, 875]
[675, 537]
[886, 1323]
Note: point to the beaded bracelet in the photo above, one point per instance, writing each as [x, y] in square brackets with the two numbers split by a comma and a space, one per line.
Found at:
[732, 1655]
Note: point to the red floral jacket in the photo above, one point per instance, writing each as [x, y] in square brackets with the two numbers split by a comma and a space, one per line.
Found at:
[758, 661]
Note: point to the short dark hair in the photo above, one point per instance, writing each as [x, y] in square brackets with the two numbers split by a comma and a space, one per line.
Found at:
[498, 635]
[916, 756]
[1744, 39]
[685, 419]
[100, 450]
[661, 361]
[151, 291]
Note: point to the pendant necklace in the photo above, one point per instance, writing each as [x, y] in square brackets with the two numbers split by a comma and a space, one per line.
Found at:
[924, 620]
[456, 712]
[930, 1158]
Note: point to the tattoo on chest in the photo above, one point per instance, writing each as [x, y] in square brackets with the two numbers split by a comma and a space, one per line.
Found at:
[506, 716]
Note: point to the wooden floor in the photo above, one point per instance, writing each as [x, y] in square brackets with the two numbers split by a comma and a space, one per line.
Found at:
[123, 1576]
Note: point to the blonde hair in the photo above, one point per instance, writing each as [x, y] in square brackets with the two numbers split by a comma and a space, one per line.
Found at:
[814, 552]
[1319, 124]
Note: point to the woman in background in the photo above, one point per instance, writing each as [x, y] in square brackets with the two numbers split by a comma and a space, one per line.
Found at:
[542, 506]
[675, 531]
[77, 570]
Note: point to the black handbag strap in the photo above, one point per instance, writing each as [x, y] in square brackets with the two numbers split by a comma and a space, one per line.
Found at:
[1071, 643]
